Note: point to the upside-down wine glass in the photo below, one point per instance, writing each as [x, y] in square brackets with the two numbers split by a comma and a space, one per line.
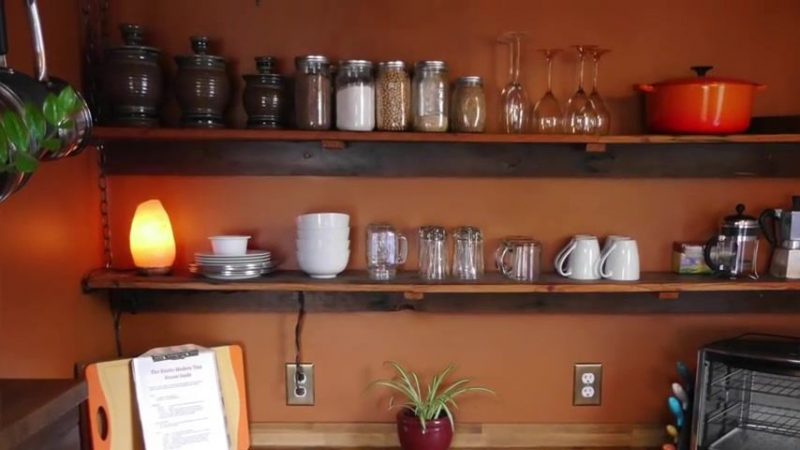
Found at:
[603, 123]
[547, 116]
[514, 97]
[579, 117]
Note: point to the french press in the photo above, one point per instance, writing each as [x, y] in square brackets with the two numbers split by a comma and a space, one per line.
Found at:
[734, 251]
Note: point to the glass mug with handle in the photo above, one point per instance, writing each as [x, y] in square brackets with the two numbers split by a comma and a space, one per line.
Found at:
[580, 258]
[620, 260]
[519, 258]
[386, 250]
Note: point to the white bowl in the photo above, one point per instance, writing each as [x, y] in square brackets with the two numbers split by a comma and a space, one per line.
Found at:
[323, 264]
[229, 245]
[323, 220]
[336, 234]
[311, 246]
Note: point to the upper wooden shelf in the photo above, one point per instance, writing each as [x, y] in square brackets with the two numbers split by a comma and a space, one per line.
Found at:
[409, 283]
[168, 151]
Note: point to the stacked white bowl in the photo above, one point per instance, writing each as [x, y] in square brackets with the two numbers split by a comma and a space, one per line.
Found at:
[323, 244]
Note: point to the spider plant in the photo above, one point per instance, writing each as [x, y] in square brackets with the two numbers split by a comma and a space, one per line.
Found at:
[431, 403]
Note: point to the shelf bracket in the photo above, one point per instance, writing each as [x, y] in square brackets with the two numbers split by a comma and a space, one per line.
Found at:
[329, 144]
[668, 295]
[413, 296]
[595, 147]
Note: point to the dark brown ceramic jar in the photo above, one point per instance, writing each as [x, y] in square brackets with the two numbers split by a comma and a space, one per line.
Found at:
[202, 87]
[133, 81]
[264, 96]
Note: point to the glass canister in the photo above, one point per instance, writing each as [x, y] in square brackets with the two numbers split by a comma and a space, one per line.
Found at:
[467, 253]
[429, 96]
[202, 86]
[433, 253]
[468, 110]
[133, 82]
[393, 97]
[355, 96]
[312, 93]
[264, 96]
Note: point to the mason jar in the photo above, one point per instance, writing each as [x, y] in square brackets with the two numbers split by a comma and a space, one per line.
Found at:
[355, 96]
[430, 96]
[468, 110]
[312, 93]
[393, 97]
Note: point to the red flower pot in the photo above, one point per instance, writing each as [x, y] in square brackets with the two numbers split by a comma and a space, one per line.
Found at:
[438, 433]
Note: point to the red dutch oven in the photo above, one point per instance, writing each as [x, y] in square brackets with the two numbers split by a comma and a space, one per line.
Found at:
[700, 105]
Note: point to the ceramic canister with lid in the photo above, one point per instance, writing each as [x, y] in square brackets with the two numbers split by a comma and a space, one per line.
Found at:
[202, 86]
[264, 96]
[133, 81]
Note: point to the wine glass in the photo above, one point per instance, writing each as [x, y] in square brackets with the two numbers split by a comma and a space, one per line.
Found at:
[580, 116]
[547, 116]
[514, 97]
[603, 124]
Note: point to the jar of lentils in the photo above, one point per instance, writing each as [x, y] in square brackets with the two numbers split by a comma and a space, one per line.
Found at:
[468, 110]
[393, 97]
[355, 96]
[312, 93]
[429, 96]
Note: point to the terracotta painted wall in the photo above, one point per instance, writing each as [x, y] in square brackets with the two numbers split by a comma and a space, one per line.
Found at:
[49, 235]
[650, 41]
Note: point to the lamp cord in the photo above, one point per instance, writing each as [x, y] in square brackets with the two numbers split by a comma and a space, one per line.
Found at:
[298, 332]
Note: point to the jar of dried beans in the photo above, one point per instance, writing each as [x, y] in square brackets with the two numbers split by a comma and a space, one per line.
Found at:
[312, 93]
[468, 111]
[429, 96]
[393, 97]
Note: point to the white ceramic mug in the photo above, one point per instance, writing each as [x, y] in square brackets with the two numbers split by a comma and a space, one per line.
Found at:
[580, 259]
[620, 261]
[611, 239]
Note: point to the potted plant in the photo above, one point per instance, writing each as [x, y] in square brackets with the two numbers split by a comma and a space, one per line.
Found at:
[425, 420]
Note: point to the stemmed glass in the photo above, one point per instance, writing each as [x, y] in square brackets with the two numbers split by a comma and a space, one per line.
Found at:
[547, 115]
[514, 97]
[603, 124]
[580, 115]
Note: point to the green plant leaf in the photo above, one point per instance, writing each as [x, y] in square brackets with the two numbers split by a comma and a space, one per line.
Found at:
[51, 144]
[67, 101]
[16, 132]
[25, 162]
[50, 109]
[3, 147]
[35, 121]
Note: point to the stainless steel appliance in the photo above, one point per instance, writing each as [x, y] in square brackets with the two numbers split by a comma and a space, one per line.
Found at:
[748, 395]
[782, 229]
[733, 252]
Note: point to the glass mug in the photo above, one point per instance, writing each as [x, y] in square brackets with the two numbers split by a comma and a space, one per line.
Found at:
[467, 253]
[386, 250]
[432, 253]
[519, 258]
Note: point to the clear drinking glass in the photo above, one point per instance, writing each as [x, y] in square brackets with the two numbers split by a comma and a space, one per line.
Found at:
[580, 117]
[467, 253]
[386, 250]
[433, 253]
[547, 116]
[514, 97]
[603, 123]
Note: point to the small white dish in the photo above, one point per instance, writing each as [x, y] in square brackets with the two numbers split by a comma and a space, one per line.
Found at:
[324, 265]
[229, 245]
[323, 220]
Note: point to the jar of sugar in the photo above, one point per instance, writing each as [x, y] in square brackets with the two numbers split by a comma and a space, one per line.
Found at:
[355, 96]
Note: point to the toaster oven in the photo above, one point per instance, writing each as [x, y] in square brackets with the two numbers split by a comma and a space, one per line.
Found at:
[747, 395]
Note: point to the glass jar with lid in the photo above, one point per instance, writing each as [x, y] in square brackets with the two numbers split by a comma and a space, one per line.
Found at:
[312, 92]
[355, 96]
[429, 95]
[468, 110]
[393, 97]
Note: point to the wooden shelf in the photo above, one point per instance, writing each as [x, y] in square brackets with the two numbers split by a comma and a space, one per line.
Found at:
[226, 152]
[409, 283]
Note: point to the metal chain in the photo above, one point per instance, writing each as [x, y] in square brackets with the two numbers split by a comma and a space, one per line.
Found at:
[102, 183]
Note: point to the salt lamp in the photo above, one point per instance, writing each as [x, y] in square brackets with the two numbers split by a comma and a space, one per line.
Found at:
[151, 240]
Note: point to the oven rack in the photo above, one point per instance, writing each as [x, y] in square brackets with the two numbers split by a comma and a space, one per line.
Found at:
[760, 383]
[767, 418]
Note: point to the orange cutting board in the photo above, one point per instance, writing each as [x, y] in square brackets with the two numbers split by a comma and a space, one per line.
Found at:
[113, 416]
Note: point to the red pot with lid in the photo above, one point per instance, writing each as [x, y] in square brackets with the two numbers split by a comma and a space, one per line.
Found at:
[700, 105]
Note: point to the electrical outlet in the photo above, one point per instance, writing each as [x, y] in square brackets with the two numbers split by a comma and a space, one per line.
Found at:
[587, 384]
[299, 389]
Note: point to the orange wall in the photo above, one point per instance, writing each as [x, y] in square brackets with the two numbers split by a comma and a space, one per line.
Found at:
[527, 358]
[50, 235]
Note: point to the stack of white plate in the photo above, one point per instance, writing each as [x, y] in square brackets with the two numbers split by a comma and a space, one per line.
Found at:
[323, 244]
[252, 264]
